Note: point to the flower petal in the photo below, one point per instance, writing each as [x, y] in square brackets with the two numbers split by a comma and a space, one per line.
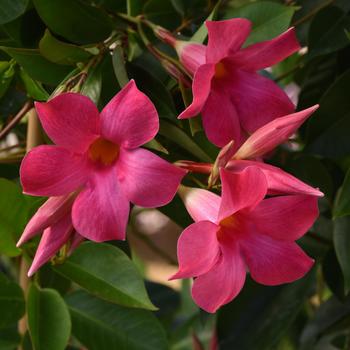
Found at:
[272, 134]
[286, 217]
[226, 37]
[130, 118]
[220, 119]
[197, 249]
[146, 179]
[49, 213]
[71, 120]
[267, 53]
[272, 262]
[222, 283]
[241, 190]
[51, 241]
[200, 204]
[278, 181]
[191, 54]
[100, 212]
[200, 89]
[258, 100]
[52, 171]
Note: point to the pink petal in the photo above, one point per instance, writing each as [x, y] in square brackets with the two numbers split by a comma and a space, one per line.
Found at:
[130, 118]
[278, 181]
[71, 120]
[197, 249]
[200, 204]
[192, 55]
[51, 242]
[146, 179]
[285, 218]
[200, 89]
[241, 190]
[258, 100]
[222, 283]
[52, 171]
[272, 262]
[100, 212]
[220, 119]
[49, 213]
[267, 53]
[272, 134]
[226, 37]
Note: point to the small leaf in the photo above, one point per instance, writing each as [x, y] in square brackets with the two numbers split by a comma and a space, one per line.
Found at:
[93, 84]
[98, 324]
[106, 271]
[33, 88]
[10, 10]
[48, 319]
[59, 52]
[119, 66]
[7, 72]
[12, 303]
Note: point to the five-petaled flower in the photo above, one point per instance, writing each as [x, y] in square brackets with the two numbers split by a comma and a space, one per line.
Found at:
[242, 230]
[233, 99]
[98, 160]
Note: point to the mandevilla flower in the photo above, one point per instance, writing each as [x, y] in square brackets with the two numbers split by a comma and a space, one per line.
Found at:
[98, 160]
[242, 230]
[262, 141]
[232, 98]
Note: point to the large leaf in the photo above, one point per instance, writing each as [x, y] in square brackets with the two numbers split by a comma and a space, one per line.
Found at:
[269, 19]
[101, 325]
[74, 20]
[59, 52]
[259, 316]
[106, 271]
[37, 66]
[11, 301]
[10, 9]
[48, 319]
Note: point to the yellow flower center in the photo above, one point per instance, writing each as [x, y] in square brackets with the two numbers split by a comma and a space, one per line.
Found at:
[103, 151]
[220, 70]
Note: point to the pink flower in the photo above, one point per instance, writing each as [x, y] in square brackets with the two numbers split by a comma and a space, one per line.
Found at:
[262, 141]
[239, 231]
[98, 158]
[233, 99]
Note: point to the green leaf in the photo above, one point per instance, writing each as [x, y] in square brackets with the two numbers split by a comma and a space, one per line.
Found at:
[11, 301]
[93, 84]
[74, 20]
[38, 67]
[59, 52]
[134, 7]
[269, 19]
[324, 40]
[10, 9]
[106, 271]
[33, 88]
[9, 338]
[177, 135]
[98, 324]
[342, 204]
[268, 312]
[119, 66]
[342, 247]
[7, 72]
[14, 211]
[48, 319]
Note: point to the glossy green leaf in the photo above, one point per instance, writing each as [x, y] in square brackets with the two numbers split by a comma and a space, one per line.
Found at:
[7, 72]
[75, 20]
[62, 53]
[33, 88]
[98, 324]
[48, 319]
[106, 271]
[342, 204]
[119, 66]
[38, 67]
[10, 9]
[269, 19]
[93, 84]
[342, 247]
[12, 303]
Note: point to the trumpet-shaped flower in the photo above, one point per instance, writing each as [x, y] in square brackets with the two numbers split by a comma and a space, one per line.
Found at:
[98, 157]
[232, 98]
[240, 231]
[262, 141]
